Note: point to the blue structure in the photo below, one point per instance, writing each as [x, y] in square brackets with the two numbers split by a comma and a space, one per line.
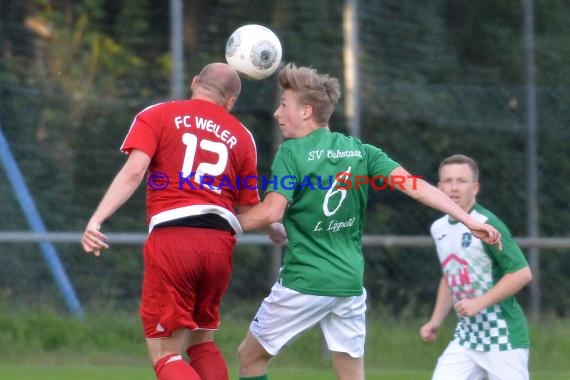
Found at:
[36, 223]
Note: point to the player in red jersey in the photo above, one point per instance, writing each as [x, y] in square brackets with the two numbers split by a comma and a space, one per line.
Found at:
[201, 167]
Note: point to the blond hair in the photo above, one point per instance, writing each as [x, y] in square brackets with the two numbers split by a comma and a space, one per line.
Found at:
[320, 91]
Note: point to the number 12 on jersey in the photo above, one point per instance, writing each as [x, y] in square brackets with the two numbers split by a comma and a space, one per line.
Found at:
[204, 168]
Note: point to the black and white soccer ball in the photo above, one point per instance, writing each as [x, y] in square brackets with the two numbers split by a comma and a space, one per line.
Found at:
[254, 51]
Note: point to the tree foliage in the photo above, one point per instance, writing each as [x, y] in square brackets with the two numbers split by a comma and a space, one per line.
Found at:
[437, 78]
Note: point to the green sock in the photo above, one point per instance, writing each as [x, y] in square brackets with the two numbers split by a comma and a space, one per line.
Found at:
[262, 377]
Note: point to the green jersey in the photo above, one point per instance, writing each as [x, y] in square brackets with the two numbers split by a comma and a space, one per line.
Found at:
[471, 267]
[323, 177]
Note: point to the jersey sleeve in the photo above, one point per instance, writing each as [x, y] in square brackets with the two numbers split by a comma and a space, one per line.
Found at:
[143, 133]
[511, 258]
[284, 175]
[379, 163]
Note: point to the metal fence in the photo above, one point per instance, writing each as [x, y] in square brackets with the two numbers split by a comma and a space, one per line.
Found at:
[422, 96]
[379, 250]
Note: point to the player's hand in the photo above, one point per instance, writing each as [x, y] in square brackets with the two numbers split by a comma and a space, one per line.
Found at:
[467, 307]
[276, 233]
[487, 233]
[93, 240]
[428, 332]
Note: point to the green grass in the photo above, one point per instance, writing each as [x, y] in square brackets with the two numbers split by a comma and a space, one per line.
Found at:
[109, 345]
[70, 372]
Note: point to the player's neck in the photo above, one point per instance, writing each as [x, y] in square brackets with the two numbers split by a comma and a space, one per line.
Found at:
[469, 207]
[308, 129]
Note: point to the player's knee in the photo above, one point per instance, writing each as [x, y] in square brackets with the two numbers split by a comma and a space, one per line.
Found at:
[241, 354]
[248, 357]
[199, 337]
[251, 353]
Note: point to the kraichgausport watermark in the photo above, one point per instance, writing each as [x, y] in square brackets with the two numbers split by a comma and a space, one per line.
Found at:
[343, 181]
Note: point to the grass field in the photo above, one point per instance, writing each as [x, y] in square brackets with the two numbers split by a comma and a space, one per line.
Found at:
[70, 372]
[48, 346]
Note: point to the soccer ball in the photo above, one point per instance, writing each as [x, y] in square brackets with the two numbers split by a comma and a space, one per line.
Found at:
[254, 51]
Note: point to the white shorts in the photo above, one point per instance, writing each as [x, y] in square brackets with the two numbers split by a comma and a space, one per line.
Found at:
[460, 363]
[285, 314]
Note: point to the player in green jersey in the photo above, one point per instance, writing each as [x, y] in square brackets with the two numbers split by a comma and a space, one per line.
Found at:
[322, 204]
[479, 282]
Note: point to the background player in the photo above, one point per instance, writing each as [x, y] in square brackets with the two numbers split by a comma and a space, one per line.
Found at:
[188, 253]
[322, 276]
[479, 282]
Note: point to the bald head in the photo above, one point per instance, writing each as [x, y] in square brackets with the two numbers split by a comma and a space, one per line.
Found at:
[217, 82]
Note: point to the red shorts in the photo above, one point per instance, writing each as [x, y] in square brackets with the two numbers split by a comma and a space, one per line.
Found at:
[186, 273]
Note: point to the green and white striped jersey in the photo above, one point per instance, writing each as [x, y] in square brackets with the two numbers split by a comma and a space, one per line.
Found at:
[471, 267]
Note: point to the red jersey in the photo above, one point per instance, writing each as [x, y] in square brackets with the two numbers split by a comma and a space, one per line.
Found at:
[203, 160]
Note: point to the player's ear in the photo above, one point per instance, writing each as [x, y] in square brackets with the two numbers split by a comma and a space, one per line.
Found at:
[194, 83]
[307, 112]
[230, 103]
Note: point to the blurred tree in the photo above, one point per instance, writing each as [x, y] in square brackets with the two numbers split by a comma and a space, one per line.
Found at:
[437, 78]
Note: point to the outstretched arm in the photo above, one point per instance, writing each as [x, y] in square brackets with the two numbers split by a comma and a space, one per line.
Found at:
[275, 230]
[428, 332]
[123, 186]
[270, 210]
[433, 197]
